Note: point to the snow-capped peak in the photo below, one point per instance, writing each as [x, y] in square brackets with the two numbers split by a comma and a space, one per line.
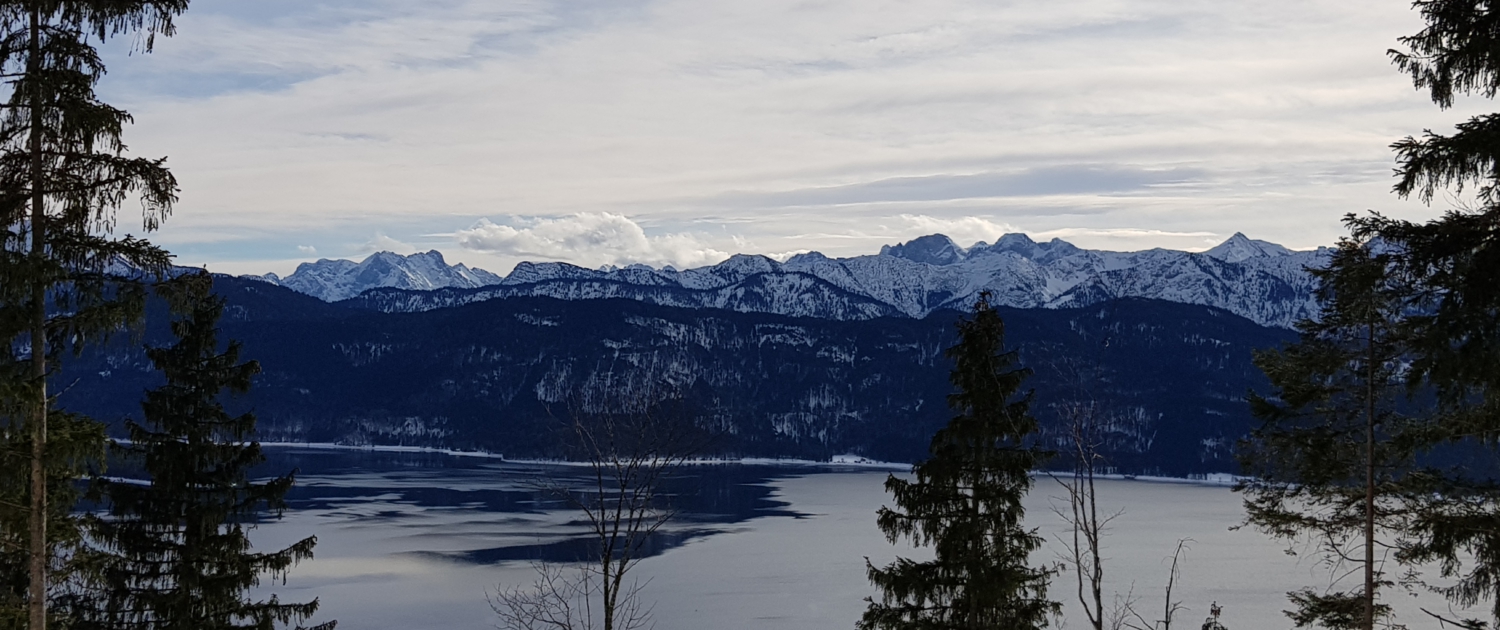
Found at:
[333, 280]
[933, 249]
[1239, 248]
[1258, 280]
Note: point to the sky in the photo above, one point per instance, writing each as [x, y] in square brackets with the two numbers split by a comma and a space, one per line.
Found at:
[683, 131]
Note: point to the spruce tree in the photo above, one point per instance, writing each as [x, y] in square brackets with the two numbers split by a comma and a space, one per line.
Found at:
[175, 551]
[75, 445]
[965, 502]
[1451, 264]
[1332, 449]
[1453, 260]
[63, 173]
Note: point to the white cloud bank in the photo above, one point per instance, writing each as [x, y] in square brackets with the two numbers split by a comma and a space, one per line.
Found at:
[588, 239]
[383, 243]
[963, 230]
[797, 125]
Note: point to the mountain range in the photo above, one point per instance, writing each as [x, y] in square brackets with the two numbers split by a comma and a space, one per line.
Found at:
[1261, 281]
[809, 357]
[495, 375]
[332, 280]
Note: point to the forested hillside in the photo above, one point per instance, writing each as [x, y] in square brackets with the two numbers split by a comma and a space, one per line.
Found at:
[495, 375]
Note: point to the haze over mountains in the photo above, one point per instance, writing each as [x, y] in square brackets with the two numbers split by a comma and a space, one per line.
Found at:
[1261, 281]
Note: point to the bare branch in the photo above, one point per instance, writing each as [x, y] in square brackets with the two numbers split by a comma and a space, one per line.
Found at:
[630, 446]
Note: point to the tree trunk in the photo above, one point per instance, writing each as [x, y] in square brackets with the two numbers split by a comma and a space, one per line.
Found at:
[1370, 485]
[37, 606]
[1096, 573]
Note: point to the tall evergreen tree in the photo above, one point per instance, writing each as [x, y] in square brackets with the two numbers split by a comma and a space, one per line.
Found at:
[176, 554]
[62, 175]
[965, 502]
[75, 445]
[1332, 449]
[1453, 260]
[1452, 264]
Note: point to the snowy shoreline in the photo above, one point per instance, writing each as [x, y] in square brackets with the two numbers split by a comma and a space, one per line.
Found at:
[838, 461]
[841, 461]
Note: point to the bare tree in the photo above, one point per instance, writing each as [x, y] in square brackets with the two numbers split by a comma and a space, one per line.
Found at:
[628, 453]
[564, 598]
[1170, 607]
[1122, 609]
[1083, 441]
[1084, 431]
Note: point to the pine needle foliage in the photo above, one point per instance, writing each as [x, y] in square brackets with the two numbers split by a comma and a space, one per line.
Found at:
[76, 445]
[1332, 450]
[175, 552]
[1452, 265]
[965, 503]
[1454, 55]
[65, 280]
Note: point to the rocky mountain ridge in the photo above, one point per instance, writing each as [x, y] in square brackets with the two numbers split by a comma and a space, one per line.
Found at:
[333, 280]
[1261, 281]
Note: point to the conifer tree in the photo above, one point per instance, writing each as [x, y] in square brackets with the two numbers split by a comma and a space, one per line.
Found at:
[1331, 449]
[75, 445]
[1453, 266]
[1453, 260]
[965, 502]
[175, 551]
[62, 175]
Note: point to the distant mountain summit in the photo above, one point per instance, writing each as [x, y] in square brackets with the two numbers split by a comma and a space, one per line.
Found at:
[1261, 281]
[934, 249]
[1240, 248]
[333, 280]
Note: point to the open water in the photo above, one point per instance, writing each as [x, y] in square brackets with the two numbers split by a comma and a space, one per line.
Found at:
[411, 541]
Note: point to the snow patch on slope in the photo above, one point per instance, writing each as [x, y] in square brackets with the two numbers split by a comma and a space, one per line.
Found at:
[333, 280]
[1261, 281]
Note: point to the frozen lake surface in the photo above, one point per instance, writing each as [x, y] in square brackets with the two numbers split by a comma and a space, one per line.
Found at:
[412, 541]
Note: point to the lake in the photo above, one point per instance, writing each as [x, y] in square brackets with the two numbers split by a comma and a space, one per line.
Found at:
[417, 540]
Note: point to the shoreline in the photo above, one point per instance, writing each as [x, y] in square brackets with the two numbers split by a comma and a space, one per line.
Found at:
[839, 461]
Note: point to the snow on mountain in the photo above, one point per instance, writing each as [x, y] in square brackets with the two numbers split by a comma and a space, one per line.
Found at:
[934, 249]
[333, 280]
[795, 294]
[1262, 281]
[1240, 248]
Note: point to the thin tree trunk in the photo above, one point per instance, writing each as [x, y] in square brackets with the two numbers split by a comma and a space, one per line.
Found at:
[37, 606]
[1370, 484]
[1096, 573]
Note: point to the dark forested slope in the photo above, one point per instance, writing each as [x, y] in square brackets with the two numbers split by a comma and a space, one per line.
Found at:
[493, 375]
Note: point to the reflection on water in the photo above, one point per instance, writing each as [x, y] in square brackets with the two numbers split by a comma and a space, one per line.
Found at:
[580, 549]
[515, 497]
[412, 541]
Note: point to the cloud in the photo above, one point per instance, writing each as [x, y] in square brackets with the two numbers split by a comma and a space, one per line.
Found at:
[307, 250]
[1140, 233]
[1132, 239]
[785, 256]
[1029, 182]
[590, 239]
[963, 230]
[967, 230]
[383, 243]
[780, 118]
